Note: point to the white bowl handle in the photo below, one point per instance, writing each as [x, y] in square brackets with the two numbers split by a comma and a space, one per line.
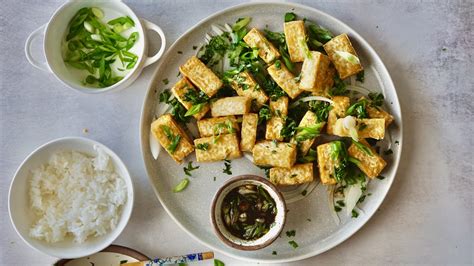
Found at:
[38, 64]
[150, 26]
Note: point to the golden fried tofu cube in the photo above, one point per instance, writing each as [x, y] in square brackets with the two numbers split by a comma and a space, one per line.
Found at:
[165, 129]
[249, 132]
[244, 84]
[217, 125]
[180, 89]
[273, 153]
[308, 120]
[296, 175]
[218, 148]
[266, 50]
[285, 79]
[343, 56]
[295, 36]
[377, 112]
[370, 162]
[373, 128]
[313, 73]
[339, 108]
[326, 164]
[201, 76]
[279, 109]
[237, 105]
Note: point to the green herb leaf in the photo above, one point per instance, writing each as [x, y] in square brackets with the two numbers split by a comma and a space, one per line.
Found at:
[290, 16]
[203, 146]
[171, 137]
[388, 152]
[381, 177]
[227, 167]
[274, 253]
[358, 109]
[355, 214]
[309, 132]
[187, 170]
[339, 87]
[377, 99]
[293, 244]
[218, 263]
[319, 34]
[290, 233]
[194, 109]
[241, 23]
[362, 147]
[181, 186]
[360, 76]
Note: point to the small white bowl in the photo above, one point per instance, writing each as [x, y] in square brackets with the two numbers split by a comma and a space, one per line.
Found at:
[19, 203]
[225, 235]
[56, 28]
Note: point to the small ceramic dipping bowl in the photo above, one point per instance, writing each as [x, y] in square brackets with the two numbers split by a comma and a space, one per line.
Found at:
[219, 225]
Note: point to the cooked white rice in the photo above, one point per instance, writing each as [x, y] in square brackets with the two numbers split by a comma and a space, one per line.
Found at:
[76, 195]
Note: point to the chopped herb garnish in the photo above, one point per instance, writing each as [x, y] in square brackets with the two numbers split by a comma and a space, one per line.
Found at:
[189, 168]
[227, 167]
[166, 81]
[194, 109]
[362, 147]
[376, 99]
[293, 244]
[290, 16]
[309, 132]
[388, 152]
[177, 111]
[340, 203]
[337, 208]
[339, 87]
[361, 199]
[274, 253]
[362, 126]
[194, 47]
[304, 192]
[218, 263]
[309, 220]
[360, 76]
[397, 142]
[290, 233]
[355, 214]
[174, 139]
[358, 109]
[180, 52]
[215, 178]
[278, 64]
[123, 261]
[203, 146]
[348, 57]
[181, 186]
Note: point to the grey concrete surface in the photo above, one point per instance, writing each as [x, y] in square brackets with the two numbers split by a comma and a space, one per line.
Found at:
[427, 46]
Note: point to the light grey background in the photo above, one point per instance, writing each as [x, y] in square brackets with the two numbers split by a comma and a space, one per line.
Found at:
[427, 47]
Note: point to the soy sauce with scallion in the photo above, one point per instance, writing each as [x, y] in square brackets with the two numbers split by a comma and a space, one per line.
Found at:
[248, 212]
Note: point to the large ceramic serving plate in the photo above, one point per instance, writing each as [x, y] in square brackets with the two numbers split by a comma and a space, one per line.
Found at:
[309, 215]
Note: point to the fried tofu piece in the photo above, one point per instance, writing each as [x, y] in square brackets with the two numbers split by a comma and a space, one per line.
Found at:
[313, 74]
[217, 125]
[296, 175]
[375, 112]
[249, 132]
[201, 76]
[218, 148]
[339, 108]
[279, 109]
[237, 105]
[285, 79]
[373, 128]
[309, 119]
[165, 129]
[338, 48]
[180, 89]
[276, 154]
[266, 50]
[295, 36]
[245, 85]
[326, 164]
[370, 162]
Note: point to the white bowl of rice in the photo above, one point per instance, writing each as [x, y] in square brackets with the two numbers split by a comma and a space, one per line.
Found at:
[71, 198]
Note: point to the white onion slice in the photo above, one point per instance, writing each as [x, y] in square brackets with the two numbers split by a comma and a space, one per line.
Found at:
[352, 195]
[162, 108]
[334, 215]
[358, 89]
[349, 122]
[217, 29]
[311, 98]
[155, 147]
[228, 27]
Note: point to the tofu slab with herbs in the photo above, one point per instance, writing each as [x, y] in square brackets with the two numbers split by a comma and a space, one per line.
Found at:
[284, 99]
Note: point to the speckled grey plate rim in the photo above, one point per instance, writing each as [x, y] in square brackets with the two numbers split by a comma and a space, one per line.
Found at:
[385, 79]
